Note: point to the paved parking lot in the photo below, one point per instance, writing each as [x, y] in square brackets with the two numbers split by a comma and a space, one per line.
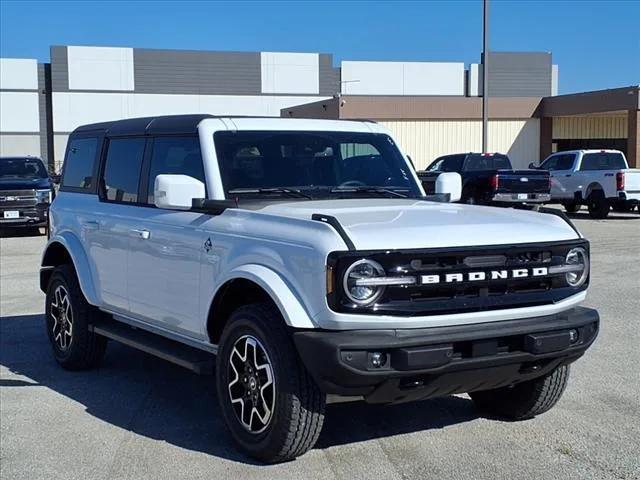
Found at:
[139, 417]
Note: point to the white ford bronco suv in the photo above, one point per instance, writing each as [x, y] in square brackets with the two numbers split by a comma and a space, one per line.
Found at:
[302, 259]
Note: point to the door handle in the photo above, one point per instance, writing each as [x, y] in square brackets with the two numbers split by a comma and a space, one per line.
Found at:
[143, 234]
[91, 225]
[568, 175]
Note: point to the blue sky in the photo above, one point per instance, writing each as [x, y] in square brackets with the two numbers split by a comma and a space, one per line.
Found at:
[595, 43]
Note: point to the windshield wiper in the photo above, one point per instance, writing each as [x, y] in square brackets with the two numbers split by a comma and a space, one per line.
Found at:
[292, 192]
[368, 189]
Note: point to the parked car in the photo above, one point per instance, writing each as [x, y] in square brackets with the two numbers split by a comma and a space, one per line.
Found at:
[600, 179]
[304, 254]
[489, 179]
[25, 192]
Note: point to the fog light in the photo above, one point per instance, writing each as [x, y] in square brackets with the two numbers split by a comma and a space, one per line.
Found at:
[378, 359]
[573, 336]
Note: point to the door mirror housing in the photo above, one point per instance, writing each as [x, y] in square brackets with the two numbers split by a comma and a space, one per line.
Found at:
[177, 192]
[532, 166]
[449, 183]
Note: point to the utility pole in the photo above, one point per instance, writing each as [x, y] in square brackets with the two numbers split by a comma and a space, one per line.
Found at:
[485, 76]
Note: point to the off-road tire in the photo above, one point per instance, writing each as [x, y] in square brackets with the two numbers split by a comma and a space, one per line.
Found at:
[85, 348]
[524, 400]
[598, 205]
[571, 207]
[298, 413]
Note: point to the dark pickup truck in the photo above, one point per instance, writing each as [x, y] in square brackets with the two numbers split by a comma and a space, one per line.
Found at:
[489, 179]
[26, 190]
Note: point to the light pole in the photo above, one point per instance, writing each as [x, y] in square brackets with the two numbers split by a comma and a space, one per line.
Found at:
[485, 76]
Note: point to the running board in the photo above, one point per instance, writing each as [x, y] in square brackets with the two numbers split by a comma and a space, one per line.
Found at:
[188, 357]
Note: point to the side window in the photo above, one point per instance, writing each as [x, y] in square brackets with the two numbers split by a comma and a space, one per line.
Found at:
[122, 170]
[550, 163]
[565, 162]
[177, 156]
[79, 163]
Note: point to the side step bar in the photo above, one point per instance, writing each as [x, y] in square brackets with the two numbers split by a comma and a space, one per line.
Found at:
[188, 357]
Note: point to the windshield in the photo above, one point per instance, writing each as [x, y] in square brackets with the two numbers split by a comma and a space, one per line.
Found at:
[316, 164]
[22, 168]
[452, 163]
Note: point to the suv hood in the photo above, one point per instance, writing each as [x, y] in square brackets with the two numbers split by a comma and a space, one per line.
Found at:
[374, 224]
[15, 183]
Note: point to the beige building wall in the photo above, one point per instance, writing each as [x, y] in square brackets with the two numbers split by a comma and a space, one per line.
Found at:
[19, 145]
[59, 148]
[425, 140]
[594, 126]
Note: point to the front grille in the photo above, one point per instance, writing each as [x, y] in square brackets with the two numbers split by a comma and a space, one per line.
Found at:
[17, 198]
[464, 295]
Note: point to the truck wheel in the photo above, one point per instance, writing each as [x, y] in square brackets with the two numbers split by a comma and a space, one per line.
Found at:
[272, 407]
[598, 205]
[68, 318]
[524, 400]
[571, 207]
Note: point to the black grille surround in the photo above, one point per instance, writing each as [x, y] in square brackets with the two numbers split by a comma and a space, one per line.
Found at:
[459, 297]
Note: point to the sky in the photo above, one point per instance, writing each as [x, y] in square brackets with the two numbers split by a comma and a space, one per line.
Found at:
[595, 43]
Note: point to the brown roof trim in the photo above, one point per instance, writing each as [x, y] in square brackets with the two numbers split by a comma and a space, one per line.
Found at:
[615, 99]
[386, 107]
[414, 108]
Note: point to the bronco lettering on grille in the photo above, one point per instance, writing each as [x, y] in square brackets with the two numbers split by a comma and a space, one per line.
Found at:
[480, 276]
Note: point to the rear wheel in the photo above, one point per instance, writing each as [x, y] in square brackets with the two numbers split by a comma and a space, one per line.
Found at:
[68, 316]
[598, 205]
[571, 207]
[524, 400]
[272, 407]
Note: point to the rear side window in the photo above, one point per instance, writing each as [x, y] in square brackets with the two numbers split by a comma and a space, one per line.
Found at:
[603, 161]
[79, 163]
[479, 162]
[176, 156]
[122, 170]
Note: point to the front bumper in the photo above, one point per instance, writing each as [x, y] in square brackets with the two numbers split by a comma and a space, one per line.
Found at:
[31, 216]
[439, 361]
[521, 198]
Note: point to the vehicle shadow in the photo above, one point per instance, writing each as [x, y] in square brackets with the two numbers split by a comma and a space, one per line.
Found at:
[21, 232]
[584, 215]
[156, 399]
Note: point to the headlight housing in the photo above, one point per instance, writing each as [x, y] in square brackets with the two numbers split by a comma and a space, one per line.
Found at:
[578, 259]
[43, 196]
[363, 270]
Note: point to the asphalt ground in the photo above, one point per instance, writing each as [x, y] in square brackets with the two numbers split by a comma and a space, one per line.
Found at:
[140, 417]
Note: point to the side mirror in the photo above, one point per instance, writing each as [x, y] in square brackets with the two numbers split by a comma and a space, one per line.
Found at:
[176, 192]
[532, 166]
[450, 183]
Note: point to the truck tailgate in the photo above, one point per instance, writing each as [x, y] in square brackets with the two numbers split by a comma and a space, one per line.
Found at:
[523, 181]
[632, 180]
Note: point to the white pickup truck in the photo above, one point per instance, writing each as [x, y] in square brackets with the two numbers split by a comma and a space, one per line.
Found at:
[600, 179]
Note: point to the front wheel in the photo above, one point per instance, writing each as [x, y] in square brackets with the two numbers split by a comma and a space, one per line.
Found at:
[571, 207]
[598, 205]
[524, 400]
[68, 316]
[272, 407]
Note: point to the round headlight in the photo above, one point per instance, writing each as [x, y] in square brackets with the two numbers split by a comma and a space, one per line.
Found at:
[362, 270]
[577, 257]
